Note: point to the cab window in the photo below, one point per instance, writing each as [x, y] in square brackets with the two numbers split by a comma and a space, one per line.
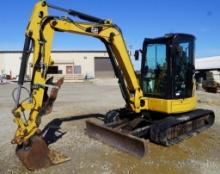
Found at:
[155, 76]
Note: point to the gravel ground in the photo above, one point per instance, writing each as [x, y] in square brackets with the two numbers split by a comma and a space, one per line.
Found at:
[199, 154]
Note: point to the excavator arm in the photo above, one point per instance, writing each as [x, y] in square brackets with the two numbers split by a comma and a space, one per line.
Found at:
[39, 35]
[31, 148]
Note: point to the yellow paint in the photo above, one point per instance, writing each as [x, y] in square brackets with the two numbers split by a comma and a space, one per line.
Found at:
[171, 106]
[111, 35]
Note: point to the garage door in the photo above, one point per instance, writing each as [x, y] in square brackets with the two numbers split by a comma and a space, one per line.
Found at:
[103, 68]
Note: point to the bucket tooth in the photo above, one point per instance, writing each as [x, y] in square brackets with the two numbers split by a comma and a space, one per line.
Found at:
[113, 137]
[37, 155]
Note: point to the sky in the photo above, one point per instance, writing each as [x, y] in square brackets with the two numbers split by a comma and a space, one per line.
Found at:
[138, 19]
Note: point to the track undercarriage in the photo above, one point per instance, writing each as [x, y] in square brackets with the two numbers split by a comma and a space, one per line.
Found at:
[131, 134]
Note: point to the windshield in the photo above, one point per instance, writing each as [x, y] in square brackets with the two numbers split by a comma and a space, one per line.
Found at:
[182, 70]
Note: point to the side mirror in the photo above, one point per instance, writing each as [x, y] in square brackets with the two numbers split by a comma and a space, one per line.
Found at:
[136, 54]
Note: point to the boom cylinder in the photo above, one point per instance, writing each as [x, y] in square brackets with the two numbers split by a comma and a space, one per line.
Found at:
[23, 67]
[24, 60]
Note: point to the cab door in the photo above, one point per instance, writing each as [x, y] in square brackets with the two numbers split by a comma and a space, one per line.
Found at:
[155, 70]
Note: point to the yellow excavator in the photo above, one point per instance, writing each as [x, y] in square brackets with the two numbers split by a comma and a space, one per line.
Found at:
[160, 103]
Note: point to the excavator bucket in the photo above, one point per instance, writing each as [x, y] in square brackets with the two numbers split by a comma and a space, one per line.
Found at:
[37, 155]
[113, 137]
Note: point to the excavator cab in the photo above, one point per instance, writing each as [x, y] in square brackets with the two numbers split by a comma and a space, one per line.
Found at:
[167, 68]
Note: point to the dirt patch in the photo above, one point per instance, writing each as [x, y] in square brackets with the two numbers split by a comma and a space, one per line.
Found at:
[198, 154]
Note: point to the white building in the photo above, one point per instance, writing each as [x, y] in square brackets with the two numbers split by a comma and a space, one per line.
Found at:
[208, 63]
[208, 67]
[71, 64]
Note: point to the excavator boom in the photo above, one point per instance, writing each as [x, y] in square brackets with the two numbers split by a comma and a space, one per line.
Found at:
[39, 35]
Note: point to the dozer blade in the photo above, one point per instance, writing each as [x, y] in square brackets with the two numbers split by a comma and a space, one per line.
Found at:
[37, 155]
[113, 137]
